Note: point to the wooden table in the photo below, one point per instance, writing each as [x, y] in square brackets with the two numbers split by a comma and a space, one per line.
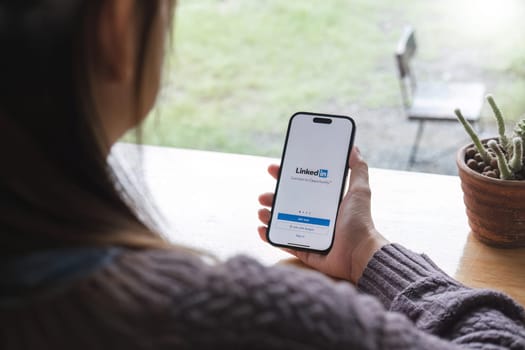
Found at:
[210, 201]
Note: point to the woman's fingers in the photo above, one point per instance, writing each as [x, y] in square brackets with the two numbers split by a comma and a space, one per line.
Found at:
[264, 215]
[262, 232]
[273, 170]
[266, 199]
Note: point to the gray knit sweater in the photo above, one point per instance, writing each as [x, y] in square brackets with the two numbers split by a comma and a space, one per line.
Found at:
[120, 299]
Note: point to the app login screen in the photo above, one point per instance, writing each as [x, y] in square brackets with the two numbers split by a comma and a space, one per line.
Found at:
[311, 182]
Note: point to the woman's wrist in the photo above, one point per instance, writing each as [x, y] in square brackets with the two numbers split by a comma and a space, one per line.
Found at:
[363, 253]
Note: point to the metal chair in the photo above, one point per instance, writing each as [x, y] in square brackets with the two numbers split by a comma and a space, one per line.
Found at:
[433, 101]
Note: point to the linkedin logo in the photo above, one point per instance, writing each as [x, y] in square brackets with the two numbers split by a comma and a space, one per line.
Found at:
[320, 172]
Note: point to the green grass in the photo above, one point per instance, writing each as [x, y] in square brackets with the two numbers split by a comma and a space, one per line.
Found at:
[240, 68]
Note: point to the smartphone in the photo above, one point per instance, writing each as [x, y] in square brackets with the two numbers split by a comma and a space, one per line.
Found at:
[311, 181]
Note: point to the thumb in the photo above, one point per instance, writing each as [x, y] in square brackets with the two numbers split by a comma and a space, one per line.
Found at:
[359, 170]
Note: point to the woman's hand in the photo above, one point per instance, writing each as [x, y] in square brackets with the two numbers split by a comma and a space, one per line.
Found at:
[356, 239]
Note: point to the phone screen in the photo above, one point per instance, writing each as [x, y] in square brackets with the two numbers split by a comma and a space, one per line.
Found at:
[311, 181]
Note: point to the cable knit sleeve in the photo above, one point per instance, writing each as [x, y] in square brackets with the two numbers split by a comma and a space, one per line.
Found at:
[169, 300]
[243, 304]
[412, 284]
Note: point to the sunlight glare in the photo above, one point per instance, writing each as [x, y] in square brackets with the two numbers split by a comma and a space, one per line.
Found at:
[485, 17]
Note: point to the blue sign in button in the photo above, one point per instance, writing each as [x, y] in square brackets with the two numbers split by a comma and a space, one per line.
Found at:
[303, 219]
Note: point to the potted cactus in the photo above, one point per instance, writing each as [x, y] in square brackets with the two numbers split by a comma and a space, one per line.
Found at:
[492, 176]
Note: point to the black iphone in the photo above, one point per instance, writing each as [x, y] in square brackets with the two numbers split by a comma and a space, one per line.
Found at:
[311, 181]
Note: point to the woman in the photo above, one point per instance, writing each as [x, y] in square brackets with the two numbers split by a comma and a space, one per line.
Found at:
[82, 266]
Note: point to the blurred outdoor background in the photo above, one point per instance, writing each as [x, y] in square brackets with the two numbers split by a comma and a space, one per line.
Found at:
[238, 69]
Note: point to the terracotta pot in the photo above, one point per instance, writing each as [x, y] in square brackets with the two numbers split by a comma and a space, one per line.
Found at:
[495, 207]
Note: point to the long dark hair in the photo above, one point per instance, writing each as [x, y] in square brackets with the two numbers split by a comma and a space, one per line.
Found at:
[56, 188]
